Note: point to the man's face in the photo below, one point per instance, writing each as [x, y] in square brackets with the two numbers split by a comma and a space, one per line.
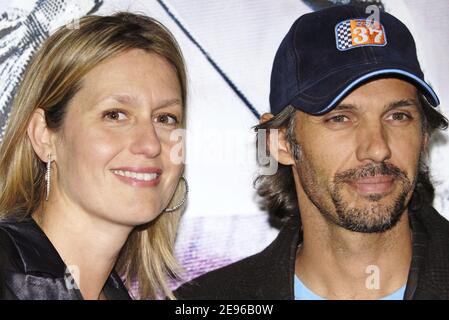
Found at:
[358, 163]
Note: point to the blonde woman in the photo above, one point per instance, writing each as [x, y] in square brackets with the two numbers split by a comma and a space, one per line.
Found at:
[91, 190]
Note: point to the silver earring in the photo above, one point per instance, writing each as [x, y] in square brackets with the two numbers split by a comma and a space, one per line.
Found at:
[181, 203]
[48, 176]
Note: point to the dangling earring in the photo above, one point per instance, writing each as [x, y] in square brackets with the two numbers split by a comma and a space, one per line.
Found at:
[181, 203]
[47, 176]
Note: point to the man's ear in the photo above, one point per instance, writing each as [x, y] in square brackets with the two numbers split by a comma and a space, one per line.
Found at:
[425, 144]
[426, 141]
[40, 135]
[279, 149]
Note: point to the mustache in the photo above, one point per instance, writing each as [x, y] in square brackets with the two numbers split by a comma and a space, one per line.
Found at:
[370, 170]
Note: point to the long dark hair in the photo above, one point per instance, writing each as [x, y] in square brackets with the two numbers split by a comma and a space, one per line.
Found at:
[278, 191]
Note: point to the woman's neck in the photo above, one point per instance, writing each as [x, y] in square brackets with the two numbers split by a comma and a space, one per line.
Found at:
[86, 243]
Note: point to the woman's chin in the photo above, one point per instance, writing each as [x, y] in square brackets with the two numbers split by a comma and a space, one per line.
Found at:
[139, 218]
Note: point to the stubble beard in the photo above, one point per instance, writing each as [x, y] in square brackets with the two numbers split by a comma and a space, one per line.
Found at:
[375, 217]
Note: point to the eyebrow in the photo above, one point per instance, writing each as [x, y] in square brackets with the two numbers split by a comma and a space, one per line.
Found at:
[388, 107]
[169, 103]
[345, 106]
[121, 98]
[402, 103]
[127, 99]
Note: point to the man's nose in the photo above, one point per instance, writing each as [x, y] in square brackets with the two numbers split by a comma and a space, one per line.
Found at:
[372, 143]
[145, 140]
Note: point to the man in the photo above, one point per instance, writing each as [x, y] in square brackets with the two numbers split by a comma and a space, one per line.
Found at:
[355, 117]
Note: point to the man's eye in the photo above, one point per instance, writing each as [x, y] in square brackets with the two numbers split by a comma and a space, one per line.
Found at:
[115, 115]
[338, 119]
[399, 116]
[167, 119]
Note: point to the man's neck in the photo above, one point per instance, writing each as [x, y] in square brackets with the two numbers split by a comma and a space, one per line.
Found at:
[336, 263]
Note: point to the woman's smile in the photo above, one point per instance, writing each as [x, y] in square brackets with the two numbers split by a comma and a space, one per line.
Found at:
[138, 177]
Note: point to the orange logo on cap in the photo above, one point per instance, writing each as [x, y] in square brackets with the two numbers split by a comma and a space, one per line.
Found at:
[359, 32]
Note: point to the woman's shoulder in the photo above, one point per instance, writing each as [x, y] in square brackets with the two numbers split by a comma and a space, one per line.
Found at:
[27, 246]
[8, 232]
[11, 239]
[15, 231]
[29, 266]
[10, 258]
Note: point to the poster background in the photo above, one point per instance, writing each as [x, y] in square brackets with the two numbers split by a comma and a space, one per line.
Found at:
[229, 48]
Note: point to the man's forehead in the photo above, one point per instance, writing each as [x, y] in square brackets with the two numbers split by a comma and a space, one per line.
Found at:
[381, 93]
[409, 102]
[383, 87]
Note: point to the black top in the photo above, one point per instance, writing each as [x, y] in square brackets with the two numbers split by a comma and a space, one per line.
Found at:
[31, 268]
[270, 273]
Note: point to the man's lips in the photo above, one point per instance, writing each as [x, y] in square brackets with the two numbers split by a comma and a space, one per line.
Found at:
[376, 184]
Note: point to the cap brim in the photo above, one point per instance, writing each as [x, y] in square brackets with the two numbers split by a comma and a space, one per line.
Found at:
[320, 104]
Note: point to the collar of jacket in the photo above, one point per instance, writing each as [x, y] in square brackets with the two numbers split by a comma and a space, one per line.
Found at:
[429, 271]
[37, 253]
[39, 261]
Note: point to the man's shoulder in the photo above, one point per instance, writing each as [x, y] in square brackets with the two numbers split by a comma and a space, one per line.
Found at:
[264, 275]
[436, 225]
[431, 253]
[234, 281]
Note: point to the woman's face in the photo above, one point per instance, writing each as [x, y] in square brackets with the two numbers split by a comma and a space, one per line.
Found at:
[113, 150]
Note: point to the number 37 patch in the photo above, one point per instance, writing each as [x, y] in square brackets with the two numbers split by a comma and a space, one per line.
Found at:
[355, 33]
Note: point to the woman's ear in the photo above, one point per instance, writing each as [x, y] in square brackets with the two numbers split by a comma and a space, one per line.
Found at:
[279, 148]
[40, 135]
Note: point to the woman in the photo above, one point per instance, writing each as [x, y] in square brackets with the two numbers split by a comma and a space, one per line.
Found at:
[90, 187]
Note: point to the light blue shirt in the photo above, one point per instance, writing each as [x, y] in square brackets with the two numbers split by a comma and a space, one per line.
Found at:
[304, 293]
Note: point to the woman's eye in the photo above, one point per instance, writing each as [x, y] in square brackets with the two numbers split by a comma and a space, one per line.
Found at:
[115, 115]
[167, 119]
[399, 116]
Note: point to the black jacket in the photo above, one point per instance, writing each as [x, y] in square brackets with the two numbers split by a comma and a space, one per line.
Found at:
[270, 273]
[31, 268]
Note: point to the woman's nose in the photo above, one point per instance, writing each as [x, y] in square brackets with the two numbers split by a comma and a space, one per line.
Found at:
[373, 144]
[145, 141]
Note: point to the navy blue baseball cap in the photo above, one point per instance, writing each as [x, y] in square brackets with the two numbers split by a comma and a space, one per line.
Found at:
[328, 53]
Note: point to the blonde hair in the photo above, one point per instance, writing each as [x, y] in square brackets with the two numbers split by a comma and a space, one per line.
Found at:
[51, 80]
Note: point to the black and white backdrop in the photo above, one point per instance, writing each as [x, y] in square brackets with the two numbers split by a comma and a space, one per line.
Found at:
[229, 46]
